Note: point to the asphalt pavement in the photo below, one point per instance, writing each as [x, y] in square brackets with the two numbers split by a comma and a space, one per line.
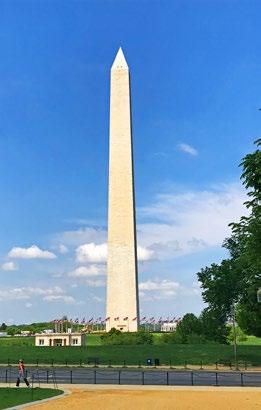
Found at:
[52, 375]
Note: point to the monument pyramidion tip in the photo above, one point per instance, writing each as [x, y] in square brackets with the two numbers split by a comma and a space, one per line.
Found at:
[120, 62]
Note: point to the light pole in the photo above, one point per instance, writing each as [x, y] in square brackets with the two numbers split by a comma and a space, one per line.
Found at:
[258, 295]
[234, 335]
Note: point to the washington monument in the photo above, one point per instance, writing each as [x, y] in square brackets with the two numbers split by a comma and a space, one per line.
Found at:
[122, 287]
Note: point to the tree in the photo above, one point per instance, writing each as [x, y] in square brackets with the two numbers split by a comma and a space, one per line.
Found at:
[236, 280]
[190, 324]
[3, 327]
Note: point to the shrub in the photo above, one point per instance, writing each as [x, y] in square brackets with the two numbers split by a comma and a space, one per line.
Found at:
[116, 337]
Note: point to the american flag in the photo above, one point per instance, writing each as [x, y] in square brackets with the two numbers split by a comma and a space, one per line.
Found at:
[125, 318]
[90, 321]
[135, 318]
[83, 320]
[76, 320]
[107, 318]
[117, 318]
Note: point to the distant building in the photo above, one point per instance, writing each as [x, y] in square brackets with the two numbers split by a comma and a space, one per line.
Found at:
[168, 327]
[3, 334]
[60, 339]
[26, 333]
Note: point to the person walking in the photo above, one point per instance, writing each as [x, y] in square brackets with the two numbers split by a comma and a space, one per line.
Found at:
[21, 374]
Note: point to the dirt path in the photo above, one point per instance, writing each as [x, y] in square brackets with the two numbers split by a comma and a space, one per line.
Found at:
[138, 399]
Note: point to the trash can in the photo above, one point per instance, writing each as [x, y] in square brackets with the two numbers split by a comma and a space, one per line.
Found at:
[149, 362]
[157, 362]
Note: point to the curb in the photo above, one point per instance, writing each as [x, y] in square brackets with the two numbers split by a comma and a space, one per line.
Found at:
[32, 403]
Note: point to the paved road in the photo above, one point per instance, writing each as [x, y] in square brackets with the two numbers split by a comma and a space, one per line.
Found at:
[135, 377]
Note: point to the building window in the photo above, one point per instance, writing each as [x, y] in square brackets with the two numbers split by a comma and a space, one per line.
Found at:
[75, 341]
[41, 342]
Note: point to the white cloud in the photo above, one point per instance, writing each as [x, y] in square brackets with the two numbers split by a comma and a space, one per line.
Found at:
[158, 285]
[60, 298]
[144, 254]
[9, 266]
[158, 289]
[95, 283]
[85, 271]
[98, 299]
[29, 292]
[90, 252]
[188, 222]
[81, 236]
[188, 149]
[28, 305]
[32, 252]
[62, 249]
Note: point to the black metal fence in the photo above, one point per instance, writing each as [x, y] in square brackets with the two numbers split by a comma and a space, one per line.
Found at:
[58, 376]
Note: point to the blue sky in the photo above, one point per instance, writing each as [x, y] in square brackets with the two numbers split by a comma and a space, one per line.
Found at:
[195, 71]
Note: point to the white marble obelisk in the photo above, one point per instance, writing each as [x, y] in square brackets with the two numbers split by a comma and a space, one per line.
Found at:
[122, 287]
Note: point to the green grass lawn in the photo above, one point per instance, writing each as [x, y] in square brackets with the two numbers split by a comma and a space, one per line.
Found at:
[178, 354]
[10, 397]
[16, 348]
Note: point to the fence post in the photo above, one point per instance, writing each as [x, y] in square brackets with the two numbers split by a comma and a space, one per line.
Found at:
[95, 380]
[242, 380]
[71, 376]
[192, 379]
[216, 378]
[119, 377]
[167, 378]
[47, 376]
[6, 371]
[143, 377]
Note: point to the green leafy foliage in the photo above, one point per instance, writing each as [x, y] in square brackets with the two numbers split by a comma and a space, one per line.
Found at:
[116, 337]
[237, 279]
